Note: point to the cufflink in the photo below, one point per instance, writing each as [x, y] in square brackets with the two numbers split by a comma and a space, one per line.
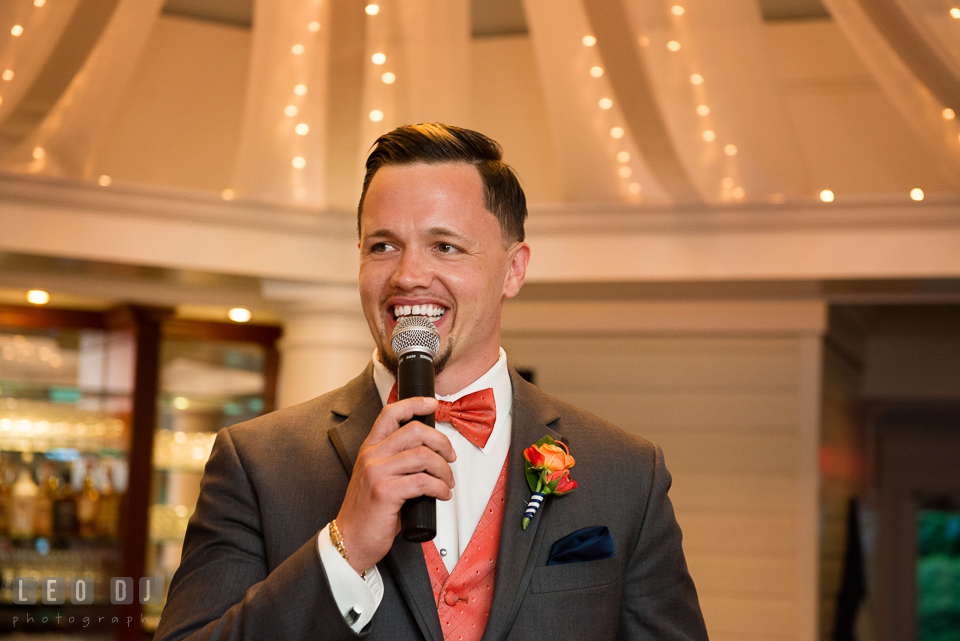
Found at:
[352, 615]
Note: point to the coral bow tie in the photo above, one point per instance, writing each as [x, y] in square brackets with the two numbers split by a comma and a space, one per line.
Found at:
[472, 415]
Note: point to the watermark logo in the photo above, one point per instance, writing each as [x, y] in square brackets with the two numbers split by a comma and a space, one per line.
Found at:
[53, 590]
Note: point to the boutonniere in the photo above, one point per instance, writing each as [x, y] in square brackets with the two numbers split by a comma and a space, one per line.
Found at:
[547, 467]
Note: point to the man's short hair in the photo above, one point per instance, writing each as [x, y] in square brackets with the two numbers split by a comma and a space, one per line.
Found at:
[435, 143]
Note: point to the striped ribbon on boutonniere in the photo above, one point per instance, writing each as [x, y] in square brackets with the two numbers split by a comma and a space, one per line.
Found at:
[547, 466]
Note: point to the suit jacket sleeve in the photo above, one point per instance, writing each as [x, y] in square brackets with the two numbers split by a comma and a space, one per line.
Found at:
[659, 598]
[225, 588]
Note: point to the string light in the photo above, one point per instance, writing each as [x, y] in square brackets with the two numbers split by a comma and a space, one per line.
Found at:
[696, 79]
[388, 78]
[727, 182]
[291, 110]
[738, 192]
[303, 129]
[826, 196]
[730, 150]
[38, 153]
[38, 297]
[239, 315]
[606, 103]
[297, 49]
[313, 27]
[596, 72]
[589, 41]
[300, 90]
[634, 188]
[298, 162]
[104, 180]
[39, 3]
[372, 9]
[623, 156]
[7, 74]
[677, 10]
[617, 132]
[673, 45]
[955, 12]
[376, 115]
[916, 194]
[227, 194]
[703, 110]
[709, 135]
[17, 30]
[378, 58]
[949, 114]
[625, 172]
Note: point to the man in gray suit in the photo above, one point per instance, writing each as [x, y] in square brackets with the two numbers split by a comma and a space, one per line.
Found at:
[295, 535]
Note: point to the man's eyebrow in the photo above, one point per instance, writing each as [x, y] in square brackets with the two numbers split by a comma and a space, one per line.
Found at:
[445, 232]
[380, 233]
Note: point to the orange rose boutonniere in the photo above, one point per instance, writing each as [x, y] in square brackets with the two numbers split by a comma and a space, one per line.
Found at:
[547, 467]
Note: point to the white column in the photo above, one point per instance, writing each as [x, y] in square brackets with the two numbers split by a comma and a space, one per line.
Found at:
[325, 338]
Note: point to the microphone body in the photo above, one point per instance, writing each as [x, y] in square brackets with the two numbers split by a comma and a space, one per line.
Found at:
[416, 342]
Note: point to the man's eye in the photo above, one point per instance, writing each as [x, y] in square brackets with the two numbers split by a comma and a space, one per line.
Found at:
[446, 248]
[379, 248]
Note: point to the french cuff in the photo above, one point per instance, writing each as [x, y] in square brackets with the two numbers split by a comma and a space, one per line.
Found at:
[357, 599]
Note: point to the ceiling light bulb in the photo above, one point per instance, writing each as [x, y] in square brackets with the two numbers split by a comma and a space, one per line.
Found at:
[596, 72]
[104, 180]
[703, 110]
[8, 74]
[376, 115]
[39, 3]
[826, 196]
[372, 9]
[605, 103]
[709, 135]
[625, 172]
[314, 26]
[634, 188]
[378, 58]
[677, 10]
[916, 194]
[727, 183]
[239, 314]
[38, 153]
[388, 78]
[730, 150]
[623, 156]
[303, 129]
[17, 30]
[696, 79]
[38, 297]
[290, 110]
[949, 114]
[228, 194]
[738, 192]
[955, 12]
[617, 132]
[589, 41]
[298, 162]
[297, 49]
[644, 41]
[300, 90]
[673, 45]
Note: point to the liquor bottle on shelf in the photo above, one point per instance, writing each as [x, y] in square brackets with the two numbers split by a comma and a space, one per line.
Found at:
[24, 505]
[7, 478]
[87, 499]
[65, 509]
[43, 514]
[108, 507]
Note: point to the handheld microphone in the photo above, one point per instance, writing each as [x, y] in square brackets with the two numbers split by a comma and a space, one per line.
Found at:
[416, 342]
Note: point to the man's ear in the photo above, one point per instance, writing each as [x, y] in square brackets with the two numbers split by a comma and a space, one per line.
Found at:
[518, 256]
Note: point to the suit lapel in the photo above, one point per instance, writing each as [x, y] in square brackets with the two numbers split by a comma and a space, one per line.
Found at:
[359, 405]
[519, 548]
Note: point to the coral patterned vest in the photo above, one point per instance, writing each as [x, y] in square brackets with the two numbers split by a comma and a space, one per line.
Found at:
[464, 597]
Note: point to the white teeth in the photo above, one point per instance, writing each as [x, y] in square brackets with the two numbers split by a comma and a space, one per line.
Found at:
[431, 311]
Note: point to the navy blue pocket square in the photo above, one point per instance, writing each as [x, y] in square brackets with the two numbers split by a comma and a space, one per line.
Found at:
[587, 544]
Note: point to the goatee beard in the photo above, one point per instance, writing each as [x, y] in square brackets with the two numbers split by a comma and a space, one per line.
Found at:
[390, 361]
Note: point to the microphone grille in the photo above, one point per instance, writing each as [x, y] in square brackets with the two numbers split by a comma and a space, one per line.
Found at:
[415, 332]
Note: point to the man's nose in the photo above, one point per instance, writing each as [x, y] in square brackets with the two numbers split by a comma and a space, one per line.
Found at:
[412, 271]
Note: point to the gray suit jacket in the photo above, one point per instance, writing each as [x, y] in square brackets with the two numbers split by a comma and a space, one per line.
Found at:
[251, 570]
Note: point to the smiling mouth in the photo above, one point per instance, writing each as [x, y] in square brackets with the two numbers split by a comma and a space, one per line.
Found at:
[429, 311]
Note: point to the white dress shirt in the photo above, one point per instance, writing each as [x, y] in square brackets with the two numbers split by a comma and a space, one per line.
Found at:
[475, 474]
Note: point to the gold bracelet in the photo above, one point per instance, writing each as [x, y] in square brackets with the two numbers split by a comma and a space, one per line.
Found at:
[337, 539]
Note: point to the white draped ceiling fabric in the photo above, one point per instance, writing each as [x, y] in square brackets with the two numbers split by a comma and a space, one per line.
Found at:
[912, 48]
[66, 140]
[662, 102]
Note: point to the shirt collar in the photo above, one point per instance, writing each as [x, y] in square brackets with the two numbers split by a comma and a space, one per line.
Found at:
[496, 378]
